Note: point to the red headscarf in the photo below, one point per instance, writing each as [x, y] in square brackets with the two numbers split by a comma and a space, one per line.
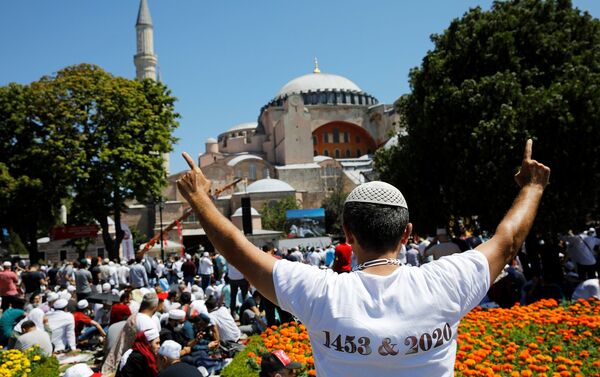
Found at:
[142, 345]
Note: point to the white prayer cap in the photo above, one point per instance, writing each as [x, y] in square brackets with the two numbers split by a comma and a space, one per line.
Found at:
[205, 253]
[116, 292]
[64, 295]
[175, 305]
[82, 304]
[187, 256]
[592, 231]
[79, 370]
[199, 295]
[7, 264]
[106, 287]
[377, 192]
[60, 303]
[52, 297]
[43, 268]
[151, 334]
[106, 260]
[71, 288]
[144, 290]
[170, 349]
[176, 314]
[111, 263]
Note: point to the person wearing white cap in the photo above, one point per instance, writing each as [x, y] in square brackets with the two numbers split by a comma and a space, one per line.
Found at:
[85, 327]
[169, 363]
[384, 328]
[172, 329]
[79, 370]
[8, 285]
[140, 360]
[62, 324]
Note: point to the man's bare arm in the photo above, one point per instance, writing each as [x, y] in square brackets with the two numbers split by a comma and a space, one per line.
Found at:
[256, 266]
[516, 224]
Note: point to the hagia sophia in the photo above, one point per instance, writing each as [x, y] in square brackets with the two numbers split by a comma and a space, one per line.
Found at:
[316, 135]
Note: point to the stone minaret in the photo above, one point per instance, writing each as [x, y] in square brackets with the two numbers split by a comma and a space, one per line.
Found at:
[145, 60]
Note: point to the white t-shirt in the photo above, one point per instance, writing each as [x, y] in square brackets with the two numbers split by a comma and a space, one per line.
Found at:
[228, 330]
[206, 266]
[401, 324]
[234, 273]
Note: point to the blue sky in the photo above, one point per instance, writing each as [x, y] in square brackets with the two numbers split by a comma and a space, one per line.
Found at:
[224, 60]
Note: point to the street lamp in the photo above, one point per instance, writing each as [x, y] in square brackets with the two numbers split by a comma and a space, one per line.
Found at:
[161, 205]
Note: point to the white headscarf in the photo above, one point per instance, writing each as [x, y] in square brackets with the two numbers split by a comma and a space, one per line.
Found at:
[36, 315]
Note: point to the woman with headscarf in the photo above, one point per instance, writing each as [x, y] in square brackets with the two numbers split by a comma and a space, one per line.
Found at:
[140, 360]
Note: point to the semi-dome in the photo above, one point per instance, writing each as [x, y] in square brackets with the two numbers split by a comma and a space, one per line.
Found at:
[237, 159]
[318, 82]
[211, 140]
[269, 185]
[243, 126]
[238, 212]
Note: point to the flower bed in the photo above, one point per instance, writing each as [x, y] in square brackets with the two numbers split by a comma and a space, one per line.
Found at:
[30, 363]
[542, 339]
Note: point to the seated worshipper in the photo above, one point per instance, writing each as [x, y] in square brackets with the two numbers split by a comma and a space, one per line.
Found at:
[81, 370]
[224, 322]
[251, 320]
[370, 308]
[589, 288]
[35, 301]
[102, 315]
[145, 317]
[172, 330]
[62, 325]
[82, 319]
[170, 364]
[120, 311]
[140, 360]
[33, 336]
[10, 318]
[38, 317]
[206, 331]
[186, 300]
[278, 364]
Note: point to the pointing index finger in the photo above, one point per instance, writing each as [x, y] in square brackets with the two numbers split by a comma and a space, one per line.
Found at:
[528, 150]
[189, 160]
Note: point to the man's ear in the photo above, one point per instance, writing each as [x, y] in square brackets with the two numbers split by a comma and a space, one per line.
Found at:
[406, 234]
[349, 236]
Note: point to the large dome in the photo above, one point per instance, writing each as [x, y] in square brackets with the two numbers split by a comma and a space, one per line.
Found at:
[268, 185]
[318, 81]
[243, 126]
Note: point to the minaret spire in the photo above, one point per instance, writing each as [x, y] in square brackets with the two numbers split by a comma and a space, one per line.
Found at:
[316, 70]
[145, 60]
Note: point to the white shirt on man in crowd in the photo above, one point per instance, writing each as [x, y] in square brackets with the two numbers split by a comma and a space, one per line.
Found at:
[228, 330]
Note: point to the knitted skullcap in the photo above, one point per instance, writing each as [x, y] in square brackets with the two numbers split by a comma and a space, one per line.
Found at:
[377, 192]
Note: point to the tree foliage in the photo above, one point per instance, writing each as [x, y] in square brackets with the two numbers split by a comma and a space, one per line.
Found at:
[334, 206]
[84, 135]
[273, 213]
[526, 68]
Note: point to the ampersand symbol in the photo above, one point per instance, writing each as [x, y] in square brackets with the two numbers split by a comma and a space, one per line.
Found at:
[387, 348]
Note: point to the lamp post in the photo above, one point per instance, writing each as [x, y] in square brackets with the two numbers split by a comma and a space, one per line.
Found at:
[161, 205]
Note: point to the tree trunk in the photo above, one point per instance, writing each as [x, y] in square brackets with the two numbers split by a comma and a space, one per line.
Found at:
[31, 244]
[108, 242]
[119, 234]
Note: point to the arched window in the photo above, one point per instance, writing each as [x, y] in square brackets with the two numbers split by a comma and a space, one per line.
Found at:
[348, 153]
[326, 153]
[252, 171]
[337, 153]
[315, 153]
[358, 154]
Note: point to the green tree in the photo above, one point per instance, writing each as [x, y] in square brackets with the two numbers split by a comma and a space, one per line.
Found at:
[86, 136]
[124, 128]
[273, 213]
[334, 206]
[526, 68]
[35, 154]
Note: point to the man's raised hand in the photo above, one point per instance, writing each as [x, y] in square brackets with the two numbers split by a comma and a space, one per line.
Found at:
[193, 181]
[532, 172]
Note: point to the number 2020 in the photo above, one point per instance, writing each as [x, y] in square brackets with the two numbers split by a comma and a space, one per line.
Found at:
[425, 342]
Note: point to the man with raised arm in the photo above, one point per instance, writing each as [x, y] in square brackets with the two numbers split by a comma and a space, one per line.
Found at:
[368, 321]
